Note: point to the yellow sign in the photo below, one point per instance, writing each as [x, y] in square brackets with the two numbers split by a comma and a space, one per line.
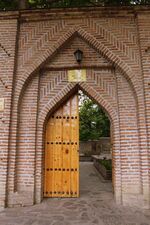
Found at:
[77, 75]
[2, 104]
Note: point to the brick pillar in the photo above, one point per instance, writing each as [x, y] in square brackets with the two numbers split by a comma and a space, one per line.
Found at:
[129, 143]
[8, 32]
[144, 33]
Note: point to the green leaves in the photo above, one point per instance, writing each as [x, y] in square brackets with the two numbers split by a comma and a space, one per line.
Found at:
[8, 4]
[94, 123]
[14, 4]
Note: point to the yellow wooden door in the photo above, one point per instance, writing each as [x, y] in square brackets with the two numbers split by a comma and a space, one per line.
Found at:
[62, 152]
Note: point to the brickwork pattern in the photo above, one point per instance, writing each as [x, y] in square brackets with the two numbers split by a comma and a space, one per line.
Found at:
[144, 44]
[33, 69]
[7, 53]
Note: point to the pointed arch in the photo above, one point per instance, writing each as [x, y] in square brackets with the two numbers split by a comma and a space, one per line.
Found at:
[52, 105]
[90, 39]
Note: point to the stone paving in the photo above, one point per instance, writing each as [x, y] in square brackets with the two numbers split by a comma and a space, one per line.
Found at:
[95, 206]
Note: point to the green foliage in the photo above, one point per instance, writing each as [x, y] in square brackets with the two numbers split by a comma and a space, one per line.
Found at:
[8, 4]
[79, 3]
[94, 123]
[14, 4]
[39, 4]
[107, 163]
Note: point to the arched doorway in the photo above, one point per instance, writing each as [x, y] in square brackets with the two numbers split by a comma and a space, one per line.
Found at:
[108, 83]
[61, 158]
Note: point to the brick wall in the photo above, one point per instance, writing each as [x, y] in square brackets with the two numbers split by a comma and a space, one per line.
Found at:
[143, 27]
[8, 31]
[36, 52]
[95, 147]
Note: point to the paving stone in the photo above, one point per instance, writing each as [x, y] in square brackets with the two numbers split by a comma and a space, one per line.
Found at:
[144, 224]
[95, 206]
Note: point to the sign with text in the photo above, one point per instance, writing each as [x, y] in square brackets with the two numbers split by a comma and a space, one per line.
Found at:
[77, 75]
[2, 104]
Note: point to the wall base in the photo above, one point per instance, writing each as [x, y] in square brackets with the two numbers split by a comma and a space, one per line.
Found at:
[134, 200]
[20, 199]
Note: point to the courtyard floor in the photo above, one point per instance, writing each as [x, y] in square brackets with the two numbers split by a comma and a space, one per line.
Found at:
[95, 206]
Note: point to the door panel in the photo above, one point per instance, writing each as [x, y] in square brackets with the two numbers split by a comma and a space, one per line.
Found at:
[61, 152]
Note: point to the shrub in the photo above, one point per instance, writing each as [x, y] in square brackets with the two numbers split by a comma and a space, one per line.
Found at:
[107, 163]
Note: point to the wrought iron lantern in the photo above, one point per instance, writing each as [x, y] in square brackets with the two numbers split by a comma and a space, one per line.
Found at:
[78, 55]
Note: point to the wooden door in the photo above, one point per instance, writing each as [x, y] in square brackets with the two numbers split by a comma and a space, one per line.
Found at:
[62, 152]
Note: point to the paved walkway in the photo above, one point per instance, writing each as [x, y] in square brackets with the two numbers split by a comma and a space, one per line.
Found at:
[95, 206]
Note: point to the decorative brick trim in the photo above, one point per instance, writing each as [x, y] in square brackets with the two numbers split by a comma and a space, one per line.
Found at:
[104, 51]
[121, 87]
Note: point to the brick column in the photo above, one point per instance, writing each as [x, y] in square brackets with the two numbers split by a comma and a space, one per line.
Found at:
[8, 35]
[143, 20]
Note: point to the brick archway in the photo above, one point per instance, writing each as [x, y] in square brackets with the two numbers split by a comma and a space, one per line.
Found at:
[100, 86]
[115, 80]
[90, 39]
[42, 121]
